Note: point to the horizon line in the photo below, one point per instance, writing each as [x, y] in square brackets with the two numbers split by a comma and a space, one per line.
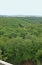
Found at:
[20, 15]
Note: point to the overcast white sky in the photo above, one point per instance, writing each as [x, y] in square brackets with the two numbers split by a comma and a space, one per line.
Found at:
[21, 7]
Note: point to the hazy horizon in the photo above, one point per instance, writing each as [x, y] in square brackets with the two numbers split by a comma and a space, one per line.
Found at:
[21, 7]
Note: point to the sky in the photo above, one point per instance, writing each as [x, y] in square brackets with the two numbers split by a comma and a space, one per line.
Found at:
[21, 7]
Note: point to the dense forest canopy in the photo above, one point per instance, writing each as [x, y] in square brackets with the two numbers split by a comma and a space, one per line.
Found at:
[21, 39]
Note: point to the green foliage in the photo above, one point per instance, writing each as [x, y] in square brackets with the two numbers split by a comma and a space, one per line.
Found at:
[0, 54]
[21, 39]
[1, 33]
